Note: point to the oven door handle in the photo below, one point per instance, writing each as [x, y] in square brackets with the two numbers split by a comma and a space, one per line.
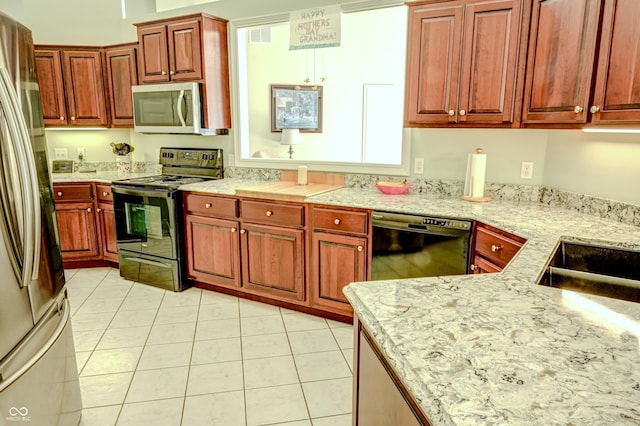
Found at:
[143, 192]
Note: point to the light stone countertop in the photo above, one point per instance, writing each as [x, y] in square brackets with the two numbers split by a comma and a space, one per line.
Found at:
[100, 176]
[497, 348]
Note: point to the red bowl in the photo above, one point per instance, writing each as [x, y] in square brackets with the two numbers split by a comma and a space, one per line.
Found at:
[393, 187]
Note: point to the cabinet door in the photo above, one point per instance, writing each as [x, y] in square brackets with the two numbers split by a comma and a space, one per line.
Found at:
[489, 58]
[122, 73]
[107, 226]
[84, 87]
[433, 65]
[273, 261]
[560, 61]
[337, 261]
[153, 65]
[185, 58]
[617, 91]
[49, 71]
[481, 265]
[77, 230]
[213, 253]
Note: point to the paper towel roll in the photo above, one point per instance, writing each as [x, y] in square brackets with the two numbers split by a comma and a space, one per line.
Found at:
[302, 175]
[476, 167]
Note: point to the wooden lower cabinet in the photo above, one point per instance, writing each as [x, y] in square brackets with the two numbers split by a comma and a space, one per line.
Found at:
[86, 224]
[337, 261]
[213, 254]
[77, 229]
[379, 397]
[273, 261]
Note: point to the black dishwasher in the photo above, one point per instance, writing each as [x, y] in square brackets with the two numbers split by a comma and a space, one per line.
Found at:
[412, 246]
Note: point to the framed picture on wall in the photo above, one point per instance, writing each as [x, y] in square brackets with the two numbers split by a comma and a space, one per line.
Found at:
[296, 107]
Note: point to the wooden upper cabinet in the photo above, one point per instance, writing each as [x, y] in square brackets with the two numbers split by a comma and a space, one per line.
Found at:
[49, 71]
[122, 73]
[84, 87]
[462, 64]
[616, 97]
[560, 62]
[174, 49]
[72, 86]
[170, 51]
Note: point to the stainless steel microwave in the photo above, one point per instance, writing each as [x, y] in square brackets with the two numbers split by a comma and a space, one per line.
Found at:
[168, 108]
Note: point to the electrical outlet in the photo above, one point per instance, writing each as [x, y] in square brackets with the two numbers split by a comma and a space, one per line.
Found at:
[231, 160]
[61, 153]
[418, 166]
[81, 154]
[526, 171]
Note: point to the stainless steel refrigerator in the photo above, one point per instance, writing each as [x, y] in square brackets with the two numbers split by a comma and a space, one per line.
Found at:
[38, 374]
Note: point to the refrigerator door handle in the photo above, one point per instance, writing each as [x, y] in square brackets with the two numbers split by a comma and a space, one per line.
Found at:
[30, 190]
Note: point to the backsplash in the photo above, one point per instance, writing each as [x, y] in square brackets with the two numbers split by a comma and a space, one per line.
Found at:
[109, 166]
[600, 207]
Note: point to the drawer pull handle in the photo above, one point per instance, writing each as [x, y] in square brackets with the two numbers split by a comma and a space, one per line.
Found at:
[269, 213]
[594, 109]
[61, 118]
[89, 209]
[336, 221]
[242, 231]
[233, 229]
[360, 248]
[578, 109]
[495, 248]
[207, 206]
[59, 193]
[463, 112]
[452, 113]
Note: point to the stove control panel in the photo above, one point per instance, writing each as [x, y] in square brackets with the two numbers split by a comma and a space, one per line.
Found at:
[191, 157]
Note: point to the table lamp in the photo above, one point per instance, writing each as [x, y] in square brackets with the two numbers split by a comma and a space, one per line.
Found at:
[290, 137]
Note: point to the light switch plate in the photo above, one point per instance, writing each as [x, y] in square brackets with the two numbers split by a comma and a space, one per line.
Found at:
[61, 153]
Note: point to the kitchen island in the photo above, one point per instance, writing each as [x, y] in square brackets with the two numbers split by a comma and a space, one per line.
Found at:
[497, 348]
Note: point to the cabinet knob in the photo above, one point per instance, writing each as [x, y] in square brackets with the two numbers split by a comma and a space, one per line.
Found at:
[463, 112]
[164, 73]
[269, 213]
[336, 221]
[73, 117]
[472, 267]
[61, 118]
[360, 248]
[89, 209]
[578, 109]
[233, 229]
[59, 193]
[495, 248]
[105, 193]
[172, 72]
[98, 209]
[207, 206]
[594, 109]
[452, 112]
[242, 231]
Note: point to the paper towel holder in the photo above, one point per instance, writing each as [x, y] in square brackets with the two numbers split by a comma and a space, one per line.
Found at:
[470, 177]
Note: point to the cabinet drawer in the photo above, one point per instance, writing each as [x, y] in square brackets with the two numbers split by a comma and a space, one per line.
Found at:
[340, 220]
[81, 192]
[271, 213]
[496, 247]
[104, 193]
[211, 206]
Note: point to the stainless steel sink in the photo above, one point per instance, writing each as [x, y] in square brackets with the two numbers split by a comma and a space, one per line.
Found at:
[592, 269]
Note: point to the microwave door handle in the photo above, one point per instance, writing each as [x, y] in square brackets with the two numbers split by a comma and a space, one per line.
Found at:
[26, 164]
[180, 112]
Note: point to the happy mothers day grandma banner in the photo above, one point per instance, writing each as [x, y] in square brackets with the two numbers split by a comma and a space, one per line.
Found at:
[314, 28]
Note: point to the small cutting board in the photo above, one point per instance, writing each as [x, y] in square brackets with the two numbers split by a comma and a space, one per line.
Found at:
[289, 190]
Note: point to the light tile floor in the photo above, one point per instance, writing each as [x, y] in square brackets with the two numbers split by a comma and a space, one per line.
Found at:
[152, 357]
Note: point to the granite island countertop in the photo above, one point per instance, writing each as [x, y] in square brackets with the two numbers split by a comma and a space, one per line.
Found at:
[497, 348]
[100, 176]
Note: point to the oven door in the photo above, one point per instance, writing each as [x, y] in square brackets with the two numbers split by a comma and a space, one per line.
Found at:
[145, 220]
